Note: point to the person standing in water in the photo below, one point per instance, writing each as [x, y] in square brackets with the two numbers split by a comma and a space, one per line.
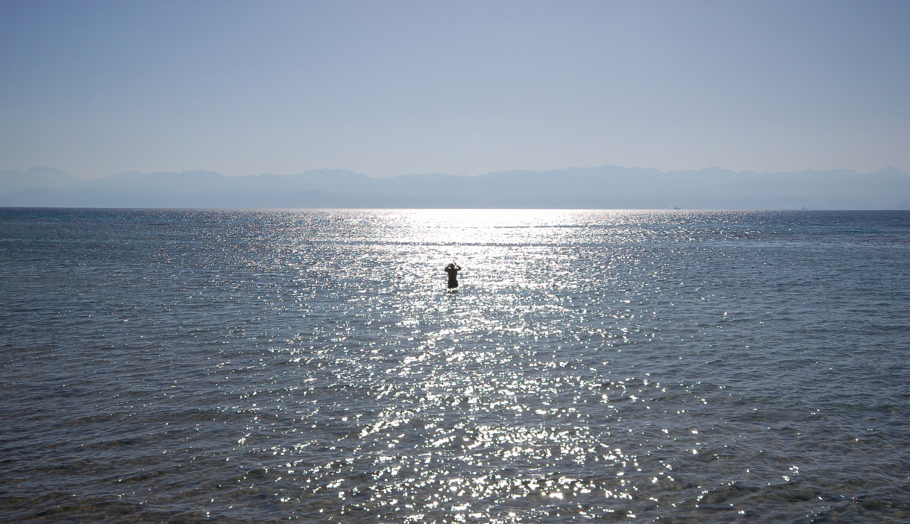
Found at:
[452, 269]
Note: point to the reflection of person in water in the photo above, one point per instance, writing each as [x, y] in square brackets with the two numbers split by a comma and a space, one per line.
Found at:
[452, 269]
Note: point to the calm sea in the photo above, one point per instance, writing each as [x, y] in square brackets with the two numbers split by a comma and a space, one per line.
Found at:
[247, 366]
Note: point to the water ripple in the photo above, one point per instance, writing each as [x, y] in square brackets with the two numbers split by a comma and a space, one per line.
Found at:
[265, 366]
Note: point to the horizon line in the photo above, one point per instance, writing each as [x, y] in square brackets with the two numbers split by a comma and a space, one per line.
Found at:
[436, 173]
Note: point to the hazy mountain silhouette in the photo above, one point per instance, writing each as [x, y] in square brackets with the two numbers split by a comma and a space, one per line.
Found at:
[606, 187]
[36, 177]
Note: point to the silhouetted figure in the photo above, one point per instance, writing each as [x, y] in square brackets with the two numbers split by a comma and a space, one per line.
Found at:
[453, 269]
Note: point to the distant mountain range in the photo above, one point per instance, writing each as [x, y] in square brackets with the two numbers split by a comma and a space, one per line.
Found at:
[606, 187]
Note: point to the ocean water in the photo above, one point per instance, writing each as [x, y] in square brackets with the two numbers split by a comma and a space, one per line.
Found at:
[259, 366]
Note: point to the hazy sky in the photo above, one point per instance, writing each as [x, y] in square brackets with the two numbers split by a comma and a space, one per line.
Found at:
[459, 87]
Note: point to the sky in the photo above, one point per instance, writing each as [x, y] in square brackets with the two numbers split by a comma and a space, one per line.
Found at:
[389, 88]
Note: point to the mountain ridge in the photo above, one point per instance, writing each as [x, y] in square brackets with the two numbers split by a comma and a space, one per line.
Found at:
[603, 187]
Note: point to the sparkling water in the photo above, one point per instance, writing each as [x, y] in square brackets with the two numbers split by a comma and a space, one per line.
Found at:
[312, 365]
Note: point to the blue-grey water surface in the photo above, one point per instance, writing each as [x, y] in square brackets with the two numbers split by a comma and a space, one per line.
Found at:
[257, 366]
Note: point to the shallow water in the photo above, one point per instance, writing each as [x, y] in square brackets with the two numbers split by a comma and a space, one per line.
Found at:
[275, 365]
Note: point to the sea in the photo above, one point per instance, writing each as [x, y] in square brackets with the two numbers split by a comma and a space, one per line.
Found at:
[311, 365]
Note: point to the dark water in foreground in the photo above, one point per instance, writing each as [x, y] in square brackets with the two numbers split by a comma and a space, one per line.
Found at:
[263, 366]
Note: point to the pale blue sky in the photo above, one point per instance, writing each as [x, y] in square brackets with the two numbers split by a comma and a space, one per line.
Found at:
[458, 87]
